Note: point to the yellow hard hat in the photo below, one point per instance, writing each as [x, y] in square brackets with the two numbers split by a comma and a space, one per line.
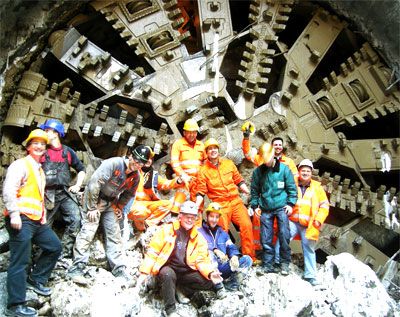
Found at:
[248, 126]
[214, 207]
[36, 134]
[211, 141]
[191, 125]
[267, 152]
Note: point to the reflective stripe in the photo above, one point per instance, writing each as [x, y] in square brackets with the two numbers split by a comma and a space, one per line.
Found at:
[140, 194]
[186, 163]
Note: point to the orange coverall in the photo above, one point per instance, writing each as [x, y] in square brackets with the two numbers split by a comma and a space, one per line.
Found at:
[220, 183]
[148, 208]
[188, 159]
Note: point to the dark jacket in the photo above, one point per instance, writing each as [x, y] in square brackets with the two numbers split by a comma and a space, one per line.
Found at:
[221, 241]
[272, 188]
[111, 183]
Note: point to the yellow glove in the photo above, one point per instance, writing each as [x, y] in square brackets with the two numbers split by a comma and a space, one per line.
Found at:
[248, 128]
[221, 255]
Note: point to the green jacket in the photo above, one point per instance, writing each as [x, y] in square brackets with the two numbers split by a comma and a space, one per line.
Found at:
[272, 188]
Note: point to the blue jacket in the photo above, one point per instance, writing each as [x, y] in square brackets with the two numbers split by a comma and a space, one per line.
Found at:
[272, 188]
[222, 241]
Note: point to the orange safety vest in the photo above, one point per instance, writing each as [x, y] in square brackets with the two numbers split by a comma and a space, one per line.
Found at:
[162, 244]
[313, 205]
[186, 158]
[30, 196]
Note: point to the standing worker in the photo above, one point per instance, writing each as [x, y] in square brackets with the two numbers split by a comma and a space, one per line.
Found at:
[23, 196]
[221, 181]
[273, 191]
[248, 128]
[59, 194]
[109, 189]
[178, 256]
[308, 215]
[187, 156]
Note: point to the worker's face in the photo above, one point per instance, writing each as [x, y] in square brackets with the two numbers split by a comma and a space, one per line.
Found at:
[36, 147]
[134, 164]
[212, 152]
[187, 220]
[278, 147]
[212, 219]
[190, 136]
[305, 173]
[52, 135]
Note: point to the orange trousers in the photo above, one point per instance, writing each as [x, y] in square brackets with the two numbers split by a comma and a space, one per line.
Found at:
[149, 213]
[234, 210]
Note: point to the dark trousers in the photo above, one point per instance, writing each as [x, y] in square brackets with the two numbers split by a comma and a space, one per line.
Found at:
[188, 282]
[267, 234]
[71, 215]
[20, 253]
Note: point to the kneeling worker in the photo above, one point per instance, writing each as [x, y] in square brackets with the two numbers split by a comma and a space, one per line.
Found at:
[178, 256]
[221, 248]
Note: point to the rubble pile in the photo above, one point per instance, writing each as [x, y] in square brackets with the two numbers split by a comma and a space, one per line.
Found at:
[348, 288]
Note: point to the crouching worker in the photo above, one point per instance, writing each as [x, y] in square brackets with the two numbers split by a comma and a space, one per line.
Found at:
[178, 256]
[23, 196]
[221, 248]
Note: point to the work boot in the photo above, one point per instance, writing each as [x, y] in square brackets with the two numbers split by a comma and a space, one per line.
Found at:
[232, 284]
[21, 311]
[125, 277]
[173, 314]
[76, 270]
[285, 269]
[181, 298]
[37, 287]
[220, 290]
[313, 281]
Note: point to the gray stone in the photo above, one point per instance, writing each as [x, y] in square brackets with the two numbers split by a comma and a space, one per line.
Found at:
[355, 288]
[3, 292]
[3, 240]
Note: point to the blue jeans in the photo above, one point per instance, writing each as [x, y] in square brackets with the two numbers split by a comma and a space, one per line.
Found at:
[20, 253]
[267, 234]
[244, 262]
[308, 246]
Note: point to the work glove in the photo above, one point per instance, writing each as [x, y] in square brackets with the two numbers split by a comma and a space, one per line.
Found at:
[221, 255]
[246, 133]
[142, 283]
[234, 263]
[250, 211]
[186, 179]
[288, 210]
[93, 215]
[15, 221]
[74, 189]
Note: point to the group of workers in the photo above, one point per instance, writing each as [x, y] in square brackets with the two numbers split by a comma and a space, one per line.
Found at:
[186, 254]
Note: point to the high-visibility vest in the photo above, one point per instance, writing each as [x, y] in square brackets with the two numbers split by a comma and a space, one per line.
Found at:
[313, 205]
[162, 244]
[30, 196]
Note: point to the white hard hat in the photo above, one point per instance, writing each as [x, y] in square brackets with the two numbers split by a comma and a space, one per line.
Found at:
[306, 162]
[189, 207]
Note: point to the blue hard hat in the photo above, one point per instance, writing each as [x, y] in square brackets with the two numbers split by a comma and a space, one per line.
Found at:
[55, 125]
